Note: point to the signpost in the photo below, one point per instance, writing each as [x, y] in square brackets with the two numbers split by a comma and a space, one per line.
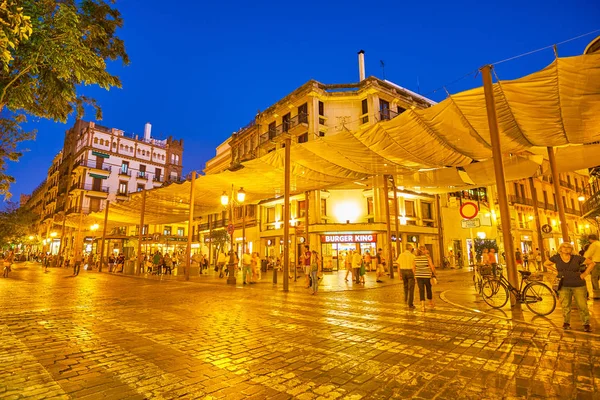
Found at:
[230, 229]
[470, 223]
[469, 210]
[546, 228]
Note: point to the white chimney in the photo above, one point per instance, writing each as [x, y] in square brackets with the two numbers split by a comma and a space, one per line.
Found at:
[147, 131]
[361, 65]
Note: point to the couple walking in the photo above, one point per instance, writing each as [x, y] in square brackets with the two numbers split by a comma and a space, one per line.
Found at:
[417, 267]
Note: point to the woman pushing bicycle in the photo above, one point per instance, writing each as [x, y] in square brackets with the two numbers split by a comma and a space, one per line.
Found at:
[570, 268]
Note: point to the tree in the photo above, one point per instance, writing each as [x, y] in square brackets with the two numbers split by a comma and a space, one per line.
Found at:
[482, 244]
[48, 48]
[15, 224]
[219, 239]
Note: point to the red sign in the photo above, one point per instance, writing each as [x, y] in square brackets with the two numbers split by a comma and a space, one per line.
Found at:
[230, 229]
[469, 210]
[350, 238]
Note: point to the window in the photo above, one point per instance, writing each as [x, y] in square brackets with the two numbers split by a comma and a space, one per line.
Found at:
[272, 130]
[285, 121]
[270, 214]
[564, 201]
[122, 187]
[520, 219]
[142, 173]
[301, 208]
[545, 197]
[94, 204]
[95, 140]
[303, 114]
[426, 210]
[303, 138]
[365, 110]
[167, 230]
[384, 109]
[409, 208]
[144, 229]
[401, 110]
[140, 187]
[370, 206]
[573, 204]
[157, 174]
[180, 231]
[321, 113]
[522, 190]
[125, 167]
[323, 207]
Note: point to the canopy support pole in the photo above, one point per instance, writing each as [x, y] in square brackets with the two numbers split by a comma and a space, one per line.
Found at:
[140, 231]
[103, 235]
[210, 250]
[396, 221]
[61, 247]
[188, 248]
[388, 225]
[561, 207]
[286, 216]
[490, 105]
[441, 230]
[78, 248]
[538, 226]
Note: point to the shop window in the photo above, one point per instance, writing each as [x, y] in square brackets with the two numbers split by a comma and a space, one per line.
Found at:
[180, 231]
[167, 230]
[409, 208]
[426, 210]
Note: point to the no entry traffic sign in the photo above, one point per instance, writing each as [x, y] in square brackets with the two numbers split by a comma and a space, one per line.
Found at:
[469, 210]
[230, 229]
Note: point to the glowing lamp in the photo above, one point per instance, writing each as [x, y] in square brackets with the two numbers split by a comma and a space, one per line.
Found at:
[241, 195]
[224, 199]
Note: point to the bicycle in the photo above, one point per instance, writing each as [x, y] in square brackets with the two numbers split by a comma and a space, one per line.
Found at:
[482, 273]
[538, 296]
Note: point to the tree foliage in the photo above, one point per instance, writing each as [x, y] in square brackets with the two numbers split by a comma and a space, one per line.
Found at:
[15, 224]
[48, 48]
[219, 239]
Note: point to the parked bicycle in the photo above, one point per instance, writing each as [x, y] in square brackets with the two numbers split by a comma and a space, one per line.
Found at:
[482, 273]
[538, 296]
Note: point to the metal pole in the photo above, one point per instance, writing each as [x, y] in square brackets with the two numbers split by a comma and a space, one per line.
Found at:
[103, 235]
[231, 279]
[490, 105]
[244, 229]
[188, 249]
[538, 226]
[209, 240]
[140, 258]
[78, 248]
[441, 230]
[61, 247]
[396, 220]
[388, 225]
[561, 207]
[286, 216]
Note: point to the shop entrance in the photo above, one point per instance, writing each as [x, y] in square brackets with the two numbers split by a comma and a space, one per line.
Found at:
[335, 248]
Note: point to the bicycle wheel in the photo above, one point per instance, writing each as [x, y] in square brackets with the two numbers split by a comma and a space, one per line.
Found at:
[494, 293]
[476, 284]
[539, 298]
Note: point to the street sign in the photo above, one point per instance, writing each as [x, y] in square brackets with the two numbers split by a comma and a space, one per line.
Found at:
[230, 229]
[546, 228]
[469, 210]
[470, 223]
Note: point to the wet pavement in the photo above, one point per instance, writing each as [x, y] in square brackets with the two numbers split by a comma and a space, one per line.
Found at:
[107, 336]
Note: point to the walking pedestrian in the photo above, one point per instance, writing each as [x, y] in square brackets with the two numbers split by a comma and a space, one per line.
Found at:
[380, 266]
[315, 271]
[492, 261]
[593, 253]
[569, 268]
[526, 260]
[424, 271]
[348, 264]
[247, 267]
[368, 260]
[518, 257]
[221, 262]
[78, 257]
[306, 260]
[357, 261]
[406, 264]
[8, 260]
[111, 263]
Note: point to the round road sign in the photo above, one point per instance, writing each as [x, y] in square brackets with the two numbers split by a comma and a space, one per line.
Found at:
[546, 228]
[469, 210]
[230, 229]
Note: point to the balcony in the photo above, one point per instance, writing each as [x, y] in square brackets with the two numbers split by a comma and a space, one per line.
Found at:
[157, 179]
[573, 211]
[294, 126]
[142, 175]
[124, 173]
[122, 195]
[102, 168]
[566, 184]
[520, 200]
[386, 115]
[91, 189]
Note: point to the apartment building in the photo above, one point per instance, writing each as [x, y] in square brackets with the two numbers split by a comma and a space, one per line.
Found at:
[338, 219]
[99, 164]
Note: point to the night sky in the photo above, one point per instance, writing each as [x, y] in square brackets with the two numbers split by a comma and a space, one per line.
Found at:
[200, 69]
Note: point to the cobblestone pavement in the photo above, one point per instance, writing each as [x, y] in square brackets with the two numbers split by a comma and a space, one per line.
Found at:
[101, 336]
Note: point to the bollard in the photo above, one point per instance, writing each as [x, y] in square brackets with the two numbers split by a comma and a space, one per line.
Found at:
[274, 275]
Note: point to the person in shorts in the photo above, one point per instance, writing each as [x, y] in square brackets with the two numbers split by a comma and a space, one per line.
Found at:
[306, 263]
[380, 265]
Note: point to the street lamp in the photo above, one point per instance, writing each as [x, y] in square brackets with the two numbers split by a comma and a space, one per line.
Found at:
[231, 201]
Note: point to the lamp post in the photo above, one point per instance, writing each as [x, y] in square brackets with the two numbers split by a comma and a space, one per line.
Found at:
[231, 201]
[93, 228]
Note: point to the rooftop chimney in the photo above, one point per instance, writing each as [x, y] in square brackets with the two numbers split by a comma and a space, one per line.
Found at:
[147, 131]
[361, 65]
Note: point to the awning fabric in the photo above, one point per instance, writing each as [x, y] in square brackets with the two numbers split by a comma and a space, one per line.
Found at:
[439, 149]
[98, 176]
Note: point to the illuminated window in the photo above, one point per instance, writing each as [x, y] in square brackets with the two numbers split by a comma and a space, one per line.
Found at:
[301, 208]
[409, 208]
[426, 210]
[180, 231]
[167, 230]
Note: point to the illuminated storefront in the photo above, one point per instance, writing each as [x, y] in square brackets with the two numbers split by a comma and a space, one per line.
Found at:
[335, 247]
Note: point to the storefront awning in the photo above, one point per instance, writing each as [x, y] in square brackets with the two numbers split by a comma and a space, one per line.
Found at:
[99, 154]
[98, 176]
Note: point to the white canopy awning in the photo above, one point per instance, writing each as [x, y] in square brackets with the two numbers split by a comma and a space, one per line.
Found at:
[442, 148]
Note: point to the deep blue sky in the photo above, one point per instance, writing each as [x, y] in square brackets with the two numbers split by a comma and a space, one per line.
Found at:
[201, 69]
